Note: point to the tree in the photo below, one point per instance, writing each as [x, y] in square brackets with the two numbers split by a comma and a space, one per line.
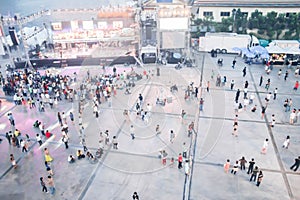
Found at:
[225, 25]
[240, 22]
[270, 26]
[254, 19]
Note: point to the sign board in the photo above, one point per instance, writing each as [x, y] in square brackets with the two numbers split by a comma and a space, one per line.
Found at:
[88, 25]
[56, 26]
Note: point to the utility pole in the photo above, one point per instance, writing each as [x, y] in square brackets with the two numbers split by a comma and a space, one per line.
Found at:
[233, 23]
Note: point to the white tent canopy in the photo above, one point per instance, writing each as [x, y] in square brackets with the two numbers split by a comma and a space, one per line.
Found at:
[284, 47]
[275, 49]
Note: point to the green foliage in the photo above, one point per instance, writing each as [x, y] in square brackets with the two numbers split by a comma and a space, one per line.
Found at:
[271, 26]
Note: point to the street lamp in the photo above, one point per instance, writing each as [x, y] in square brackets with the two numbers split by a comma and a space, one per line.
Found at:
[234, 14]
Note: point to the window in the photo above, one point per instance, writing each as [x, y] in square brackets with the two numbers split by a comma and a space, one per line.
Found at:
[289, 14]
[245, 14]
[207, 14]
[225, 14]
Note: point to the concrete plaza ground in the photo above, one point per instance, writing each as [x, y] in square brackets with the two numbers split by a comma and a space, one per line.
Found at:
[135, 166]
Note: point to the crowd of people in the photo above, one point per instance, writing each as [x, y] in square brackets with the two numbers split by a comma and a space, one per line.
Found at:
[240, 106]
[41, 92]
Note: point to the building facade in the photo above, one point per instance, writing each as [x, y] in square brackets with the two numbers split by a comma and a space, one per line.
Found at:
[219, 9]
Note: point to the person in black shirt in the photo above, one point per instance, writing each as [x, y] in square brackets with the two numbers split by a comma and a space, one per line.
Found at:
[251, 164]
[135, 196]
[296, 164]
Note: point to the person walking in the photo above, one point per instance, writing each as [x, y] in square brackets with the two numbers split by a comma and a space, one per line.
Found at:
[187, 167]
[275, 94]
[261, 80]
[196, 92]
[279, 73]
[243, 161]
[180, 159]
[140, 99]
[293, 116]
[184, 150]
[135, 196]
[295, 166]
[286, 75]
[132, 130]
[244, 71]
[71, 117]
[43, 184]
[235, 167]
[265, 146]
[235, 130]
[227, 166]
[48, 158]
[39, 139]
[201, 103]
[224, 80]
[207, 86]
[59, 119]
[157, 130]
[246, 84]
[51, 185]
[23, 145]
[48, 169]
[232, 84]
[233, 63]
[212, 74]
[251, 165]
[191, 129]
[254, 174]
[296, 86]
[64, 117]
[164, 155]
[259, 178]
[263, 111]
[115, 142]
[65, 140]
[237, 95]
[286, 142]
[8, 137]
[172, 136]
[13, 161]
[183, 116]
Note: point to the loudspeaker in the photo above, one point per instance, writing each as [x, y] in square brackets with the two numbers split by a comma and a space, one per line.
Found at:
[13, 36]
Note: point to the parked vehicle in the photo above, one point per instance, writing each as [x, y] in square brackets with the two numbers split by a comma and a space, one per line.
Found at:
[226, 42]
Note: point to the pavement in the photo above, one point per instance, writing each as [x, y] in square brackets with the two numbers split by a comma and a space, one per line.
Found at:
[135, 166]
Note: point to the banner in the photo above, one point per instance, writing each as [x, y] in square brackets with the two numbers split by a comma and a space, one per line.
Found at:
[117, 24]
[102, 25]
[88, 25]
[74, 25]
[56, 26]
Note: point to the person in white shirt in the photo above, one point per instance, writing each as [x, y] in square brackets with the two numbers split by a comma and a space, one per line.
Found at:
[286, 142]
[265, 146]
[149, 108]
[71, 159]
[187, 167]
[39, 139]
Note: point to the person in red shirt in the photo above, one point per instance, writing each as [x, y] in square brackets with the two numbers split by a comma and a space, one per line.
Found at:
[296, 85]
[48, 134]
[180, 161]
